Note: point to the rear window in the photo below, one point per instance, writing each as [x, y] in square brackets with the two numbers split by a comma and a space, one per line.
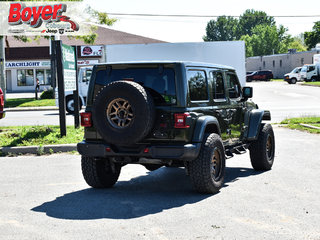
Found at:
[159, 83]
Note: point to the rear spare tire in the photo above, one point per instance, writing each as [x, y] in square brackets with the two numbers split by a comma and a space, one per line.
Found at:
[123, 113]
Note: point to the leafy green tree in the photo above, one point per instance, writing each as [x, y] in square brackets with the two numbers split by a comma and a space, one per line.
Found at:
[298, 45]
[313, 37]
[266, 40]
[252, 18]
[227, 28]
[222, 29]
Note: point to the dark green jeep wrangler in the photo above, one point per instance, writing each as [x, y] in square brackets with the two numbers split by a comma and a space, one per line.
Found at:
[181, 114]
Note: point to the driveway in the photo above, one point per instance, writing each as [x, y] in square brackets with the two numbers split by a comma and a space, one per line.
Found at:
[45, 197]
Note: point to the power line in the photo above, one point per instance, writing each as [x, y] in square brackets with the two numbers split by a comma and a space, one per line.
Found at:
[205, 16]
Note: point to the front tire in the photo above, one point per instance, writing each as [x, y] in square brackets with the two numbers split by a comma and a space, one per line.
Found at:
[207, 170]
[99, 173]
[293, 81]
[70, 104]
[263, 149]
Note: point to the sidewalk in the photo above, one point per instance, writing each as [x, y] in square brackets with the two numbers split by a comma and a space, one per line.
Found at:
[22, 95]
[45, 108]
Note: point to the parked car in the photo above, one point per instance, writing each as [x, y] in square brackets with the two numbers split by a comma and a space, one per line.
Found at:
[2, 113]
[135, 114]
[293, 76]
[260, 75]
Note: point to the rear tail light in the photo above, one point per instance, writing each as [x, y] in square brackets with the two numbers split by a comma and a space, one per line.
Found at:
[86, 119]
[180, 120]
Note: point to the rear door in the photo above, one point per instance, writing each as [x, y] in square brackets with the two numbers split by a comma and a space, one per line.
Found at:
[236, 110]
[221, 104]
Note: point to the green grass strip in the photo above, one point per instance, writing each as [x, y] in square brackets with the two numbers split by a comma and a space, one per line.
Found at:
[38, 135]
[312, 83]
[29, 102]
[294, 123]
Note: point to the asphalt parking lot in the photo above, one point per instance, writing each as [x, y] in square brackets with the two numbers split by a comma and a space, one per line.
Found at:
[45, 197]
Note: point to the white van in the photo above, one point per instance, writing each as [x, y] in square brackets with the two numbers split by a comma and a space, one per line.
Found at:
[293, 76]
[83, 81]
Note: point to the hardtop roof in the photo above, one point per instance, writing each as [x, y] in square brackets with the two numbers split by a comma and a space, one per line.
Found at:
[185, 63]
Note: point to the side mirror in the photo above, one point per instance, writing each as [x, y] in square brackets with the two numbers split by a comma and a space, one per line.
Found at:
[247, 93]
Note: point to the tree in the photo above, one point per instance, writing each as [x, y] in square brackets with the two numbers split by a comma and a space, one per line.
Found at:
[266, 40]
[229, 28]
[252, 18]
[313, 37]
[222, 29]
[298, 45]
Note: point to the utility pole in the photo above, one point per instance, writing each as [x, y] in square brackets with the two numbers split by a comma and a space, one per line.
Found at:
[2, 67]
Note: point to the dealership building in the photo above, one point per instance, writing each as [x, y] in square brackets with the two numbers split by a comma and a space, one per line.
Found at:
[27, 62]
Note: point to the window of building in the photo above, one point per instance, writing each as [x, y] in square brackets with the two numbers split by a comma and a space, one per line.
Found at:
[25, 77]
[280, 63]
[47, 80]
[218, 88]
[302, 61]
[273, 63]
[44, 76]
[198, 86]
[233, 85]
[264, 64]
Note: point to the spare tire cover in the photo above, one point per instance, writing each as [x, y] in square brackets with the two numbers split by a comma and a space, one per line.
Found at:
[123, 113]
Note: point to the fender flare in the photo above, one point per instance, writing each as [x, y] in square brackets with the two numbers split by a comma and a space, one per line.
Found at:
[201, 125]
[255, 118]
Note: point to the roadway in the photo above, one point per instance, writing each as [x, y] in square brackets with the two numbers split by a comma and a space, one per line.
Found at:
[282, 99]
[286, 100]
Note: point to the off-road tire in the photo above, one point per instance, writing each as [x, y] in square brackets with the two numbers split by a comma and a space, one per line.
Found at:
[262, 150]
[293, 81]
[98, 173]
[313, 79]
[69, 103]
[142, 113]
[200, 170]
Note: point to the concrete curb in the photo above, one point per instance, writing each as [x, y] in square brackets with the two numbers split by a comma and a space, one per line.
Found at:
[16, 109]
[40, 149]
[309, 85]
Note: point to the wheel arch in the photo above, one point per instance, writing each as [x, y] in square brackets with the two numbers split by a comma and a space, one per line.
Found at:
[205, 124]
[255, 119]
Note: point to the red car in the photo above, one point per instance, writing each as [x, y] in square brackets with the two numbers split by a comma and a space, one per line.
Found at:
[260, 75]
[2, 113]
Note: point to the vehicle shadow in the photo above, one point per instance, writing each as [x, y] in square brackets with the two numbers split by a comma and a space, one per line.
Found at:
[163, 189]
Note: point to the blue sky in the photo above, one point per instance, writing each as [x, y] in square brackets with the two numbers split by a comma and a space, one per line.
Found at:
[192, 29]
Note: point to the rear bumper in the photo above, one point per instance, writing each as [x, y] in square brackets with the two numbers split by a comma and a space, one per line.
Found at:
[186, 152]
